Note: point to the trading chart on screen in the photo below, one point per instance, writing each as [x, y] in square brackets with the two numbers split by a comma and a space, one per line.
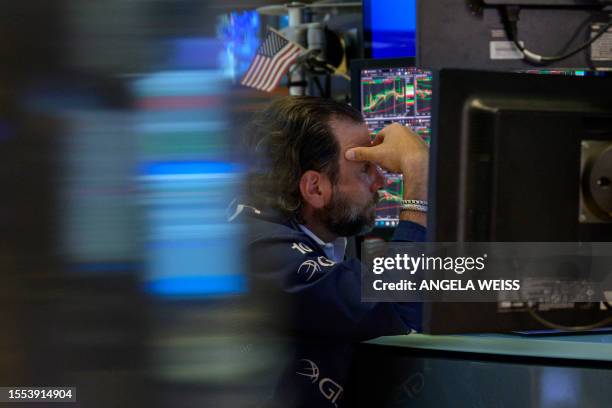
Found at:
[401, 95]
[387, 210]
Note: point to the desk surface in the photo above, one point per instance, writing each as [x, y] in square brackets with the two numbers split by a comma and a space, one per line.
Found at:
[596, 347]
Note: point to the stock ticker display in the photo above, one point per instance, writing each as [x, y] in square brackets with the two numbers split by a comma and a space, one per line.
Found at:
[401, 95]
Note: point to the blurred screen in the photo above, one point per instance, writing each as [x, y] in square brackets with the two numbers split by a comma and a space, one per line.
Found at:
[389, 28]
[187, 179]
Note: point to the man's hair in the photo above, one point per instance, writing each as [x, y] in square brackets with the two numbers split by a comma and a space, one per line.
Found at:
[291, 136]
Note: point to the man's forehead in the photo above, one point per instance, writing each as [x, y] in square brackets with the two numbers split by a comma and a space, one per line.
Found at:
[350, 133]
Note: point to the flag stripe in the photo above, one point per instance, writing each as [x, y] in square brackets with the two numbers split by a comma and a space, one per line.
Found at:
[255, 67]
[277, 64]
[283, 65]
[283, 68]
[263, 71]
[271, 71]
[262, 63]
[252, 69]
[277, 72]
[262, 68]
[272, 60]
[251, 72]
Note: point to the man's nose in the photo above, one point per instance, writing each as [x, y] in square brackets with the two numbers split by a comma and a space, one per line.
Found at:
[378, 179]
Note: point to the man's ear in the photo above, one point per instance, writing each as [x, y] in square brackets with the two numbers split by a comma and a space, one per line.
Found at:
[316, 188]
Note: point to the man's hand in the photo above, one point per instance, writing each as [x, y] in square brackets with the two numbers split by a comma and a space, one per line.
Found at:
[399, 150]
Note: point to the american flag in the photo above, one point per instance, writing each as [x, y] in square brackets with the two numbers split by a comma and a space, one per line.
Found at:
[272, 60]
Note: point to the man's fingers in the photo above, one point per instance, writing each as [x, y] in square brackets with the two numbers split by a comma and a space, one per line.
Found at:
[354, 154]
[362, 154]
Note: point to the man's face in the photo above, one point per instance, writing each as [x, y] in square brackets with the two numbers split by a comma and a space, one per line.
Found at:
[352, 208]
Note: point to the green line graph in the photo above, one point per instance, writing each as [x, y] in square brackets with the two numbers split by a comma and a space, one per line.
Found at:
[423, 95]
[384, 96]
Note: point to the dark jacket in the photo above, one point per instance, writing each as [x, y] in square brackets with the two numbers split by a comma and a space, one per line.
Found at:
[315, 304]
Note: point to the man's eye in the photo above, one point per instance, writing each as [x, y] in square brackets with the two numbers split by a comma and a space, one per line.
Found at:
[366, 168]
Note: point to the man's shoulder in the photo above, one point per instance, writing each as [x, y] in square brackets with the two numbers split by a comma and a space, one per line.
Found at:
[276, 245]
[265, 225]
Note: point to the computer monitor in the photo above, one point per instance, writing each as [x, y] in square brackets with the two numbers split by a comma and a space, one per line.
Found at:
[387, 91]
[518, 158]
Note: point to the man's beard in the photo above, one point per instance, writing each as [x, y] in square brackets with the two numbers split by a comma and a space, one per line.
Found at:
[345, 220]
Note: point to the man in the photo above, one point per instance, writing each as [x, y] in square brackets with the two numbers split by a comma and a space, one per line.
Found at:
[313, 181]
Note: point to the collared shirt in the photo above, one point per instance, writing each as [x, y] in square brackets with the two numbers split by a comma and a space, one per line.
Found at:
[334, 250]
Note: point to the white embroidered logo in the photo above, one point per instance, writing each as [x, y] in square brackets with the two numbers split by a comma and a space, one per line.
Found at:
[330, 389]
[310, 370]
[302, 247]
[309, 267]
[323, 261]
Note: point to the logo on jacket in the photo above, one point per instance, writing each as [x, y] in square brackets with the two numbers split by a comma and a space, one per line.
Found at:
[330, 389]
[323, 261]
[309, 370]
[309, 267]
[302, 247]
